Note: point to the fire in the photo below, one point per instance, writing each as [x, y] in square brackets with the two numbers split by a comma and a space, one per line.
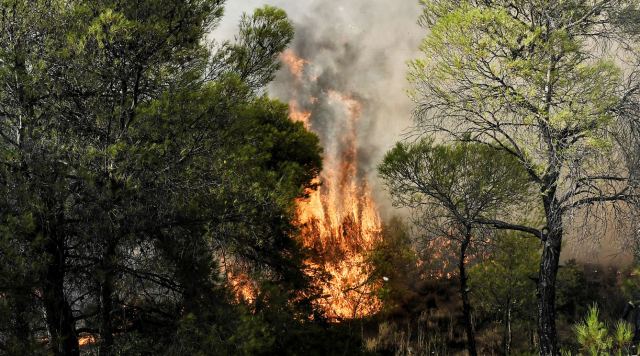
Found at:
[294, 63]
[342, 233]
[352, 105]
[441, 263]
[339, 221]
[297, 115]
[86, 340]
[243, 287]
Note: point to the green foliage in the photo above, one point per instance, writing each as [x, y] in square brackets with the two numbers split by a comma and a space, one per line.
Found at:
[537, 80]
[503, 288]
[262, 37]
[395, 264]
[595, 339]
[592, 334]
[505, 279]
[622, 337]
[470, 181]
[452, 189]
[479, 45]
[136, 161]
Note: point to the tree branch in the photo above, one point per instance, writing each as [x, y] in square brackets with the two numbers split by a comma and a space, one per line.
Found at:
[501, 225]
[618, 197]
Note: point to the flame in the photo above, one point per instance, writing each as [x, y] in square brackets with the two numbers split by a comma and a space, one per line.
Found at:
[339, 221]
[243, 287]
[294, 63]
[299, 115]
[441, 263]
[342, 233]
[87, 340]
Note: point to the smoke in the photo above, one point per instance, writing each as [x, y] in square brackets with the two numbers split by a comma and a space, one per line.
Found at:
[359, 48]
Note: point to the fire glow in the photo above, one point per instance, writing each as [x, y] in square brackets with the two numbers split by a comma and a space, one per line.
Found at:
[339, 221]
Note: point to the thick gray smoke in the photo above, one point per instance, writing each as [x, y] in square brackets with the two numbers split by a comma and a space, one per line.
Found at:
[359, 47]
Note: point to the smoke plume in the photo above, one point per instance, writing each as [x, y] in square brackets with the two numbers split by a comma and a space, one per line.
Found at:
[359, 47]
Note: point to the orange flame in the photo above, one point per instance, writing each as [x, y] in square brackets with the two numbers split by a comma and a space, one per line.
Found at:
[86, 340]
[339, 221]
[298, 115]
[294, 63]
[243, 287]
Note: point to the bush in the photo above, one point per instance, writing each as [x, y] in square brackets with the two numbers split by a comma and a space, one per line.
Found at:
[595, 338]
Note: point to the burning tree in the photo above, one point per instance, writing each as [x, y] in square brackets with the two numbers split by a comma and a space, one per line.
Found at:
[339, 220]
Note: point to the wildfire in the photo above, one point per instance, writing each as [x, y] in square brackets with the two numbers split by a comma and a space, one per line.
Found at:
[339, 221]
[244, 287]
[297, 115]
[352, 105]
[86, 340]
[294, 63]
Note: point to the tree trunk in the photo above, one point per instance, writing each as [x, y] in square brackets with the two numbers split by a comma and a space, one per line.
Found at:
[547, 288]
[106, 301]
[23, 328]
[464, 293]
[63, 339]
[507, 329]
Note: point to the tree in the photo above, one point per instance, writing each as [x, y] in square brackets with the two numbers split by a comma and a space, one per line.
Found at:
[538, 80]
[502, 284]
[594, 338]
[395, 263]
[132, 159]
[453, 187]
[74, 75]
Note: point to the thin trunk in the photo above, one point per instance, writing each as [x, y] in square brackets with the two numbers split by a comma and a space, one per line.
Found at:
[60, 321]
[507, 329]
[464, 293]
[23, 328]
[547, 289]
[532, 337]
[106, 302]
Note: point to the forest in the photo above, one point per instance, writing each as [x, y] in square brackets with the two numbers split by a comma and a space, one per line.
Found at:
[407, 177]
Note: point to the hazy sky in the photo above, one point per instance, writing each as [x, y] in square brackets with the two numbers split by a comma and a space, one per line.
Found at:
[235, 8]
